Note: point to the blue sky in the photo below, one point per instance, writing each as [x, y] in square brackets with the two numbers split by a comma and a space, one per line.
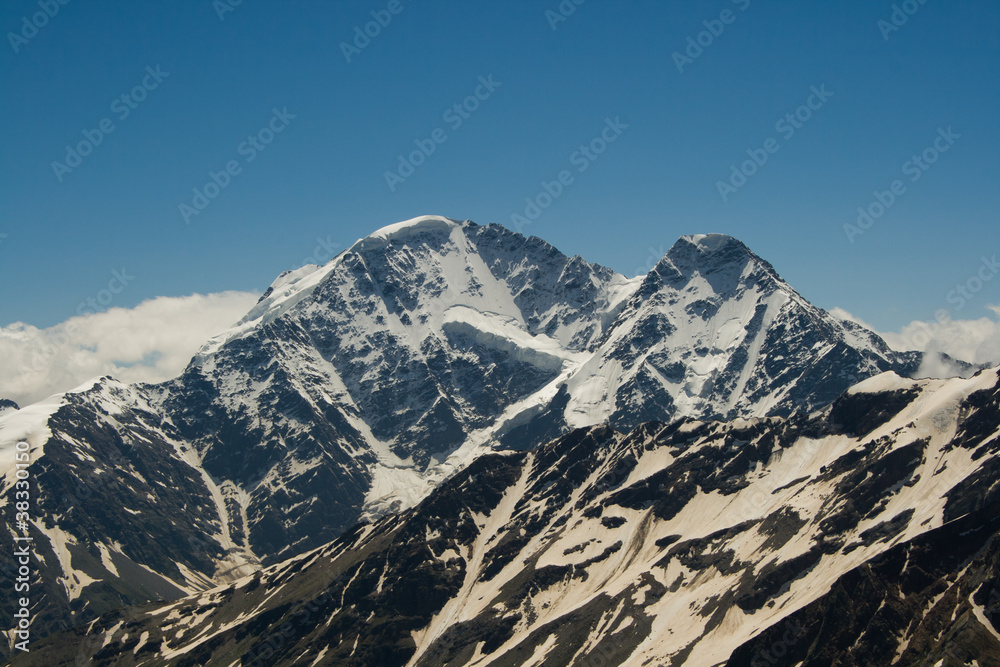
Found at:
[887, 95]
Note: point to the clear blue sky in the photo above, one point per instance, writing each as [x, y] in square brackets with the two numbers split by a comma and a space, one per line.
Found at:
[323, 175]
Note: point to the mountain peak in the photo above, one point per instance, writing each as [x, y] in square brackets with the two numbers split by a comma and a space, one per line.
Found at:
[414, 226]
[699, 248]
[708, 255]
[708, 242]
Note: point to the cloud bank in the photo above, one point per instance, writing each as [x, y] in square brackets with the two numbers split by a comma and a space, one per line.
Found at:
[149, 343]
[975, 341]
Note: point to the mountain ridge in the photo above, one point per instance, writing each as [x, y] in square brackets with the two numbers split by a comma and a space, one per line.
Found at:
[588, 549]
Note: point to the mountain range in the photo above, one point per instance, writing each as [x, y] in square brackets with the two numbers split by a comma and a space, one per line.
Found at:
[466, 368]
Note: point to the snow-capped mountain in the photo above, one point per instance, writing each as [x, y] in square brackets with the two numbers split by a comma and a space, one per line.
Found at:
[865, 533]
[353, 389]
[713, 332]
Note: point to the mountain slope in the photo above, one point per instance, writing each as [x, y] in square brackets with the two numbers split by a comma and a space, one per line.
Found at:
[691, 543]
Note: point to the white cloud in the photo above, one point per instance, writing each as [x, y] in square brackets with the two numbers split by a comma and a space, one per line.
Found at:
[974, 341]
[149, 343]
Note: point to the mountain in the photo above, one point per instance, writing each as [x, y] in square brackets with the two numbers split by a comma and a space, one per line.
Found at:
[354, 389]
[865, 533]
[713, 332]
[7, 406]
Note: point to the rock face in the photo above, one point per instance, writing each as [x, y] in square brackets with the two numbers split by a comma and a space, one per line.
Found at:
[862, 532]
[7, 406]
[353, 389]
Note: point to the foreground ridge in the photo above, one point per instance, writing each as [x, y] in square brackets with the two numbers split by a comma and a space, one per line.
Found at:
[693, 542]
